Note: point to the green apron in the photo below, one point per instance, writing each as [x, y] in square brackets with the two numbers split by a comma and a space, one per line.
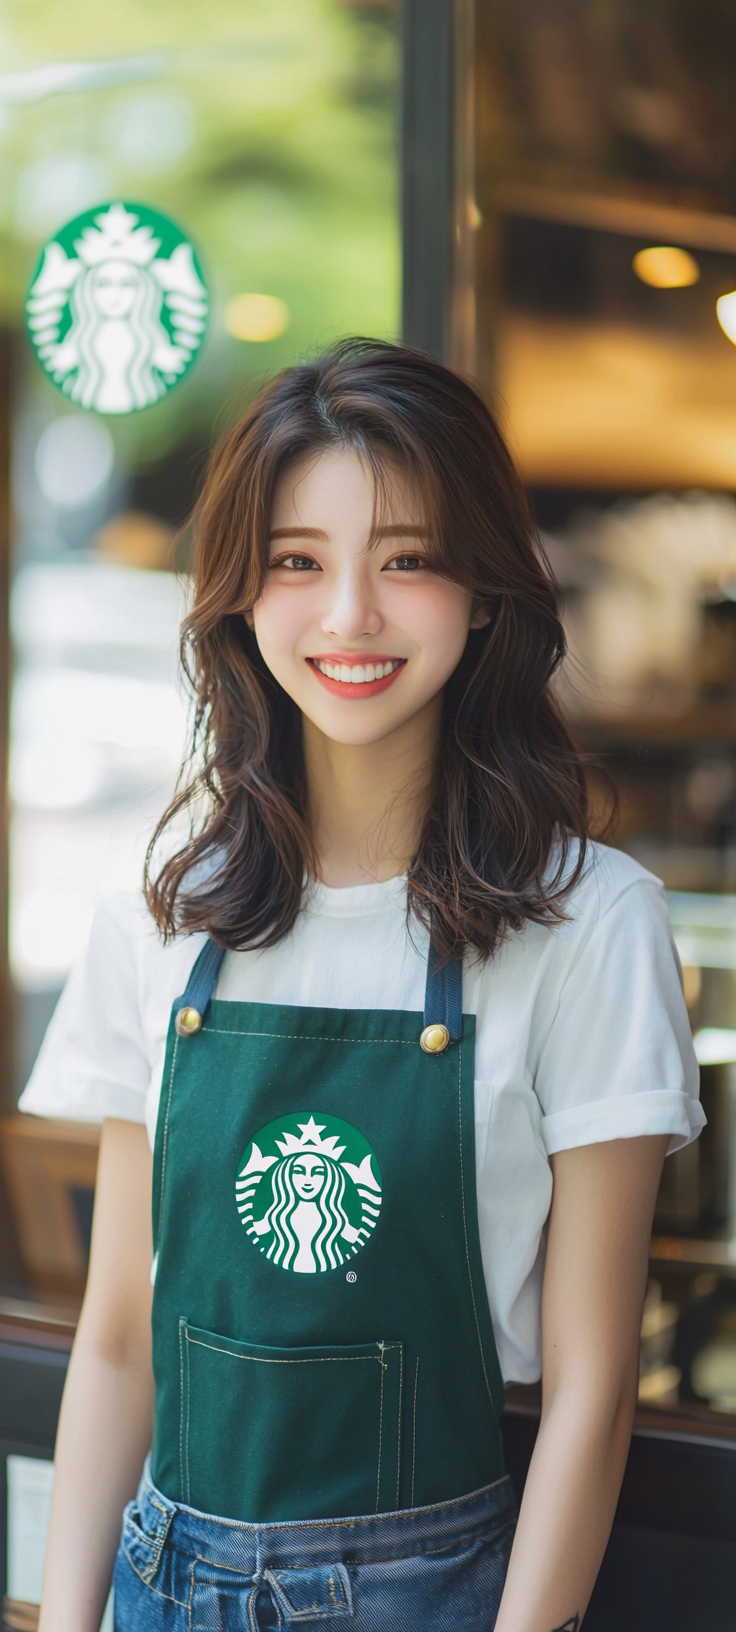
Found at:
[322, 1341]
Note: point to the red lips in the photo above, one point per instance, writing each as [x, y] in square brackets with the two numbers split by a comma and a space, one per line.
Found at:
[355, 691]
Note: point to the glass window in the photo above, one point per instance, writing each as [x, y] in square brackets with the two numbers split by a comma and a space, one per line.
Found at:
[267, 134]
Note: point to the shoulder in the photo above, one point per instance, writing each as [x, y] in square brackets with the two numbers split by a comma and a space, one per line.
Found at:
[123, 935]
[614, 910]
[609, 879]
[122, 920]
[109, 1028]
[123, 916]
[126, 962]
[611, 908]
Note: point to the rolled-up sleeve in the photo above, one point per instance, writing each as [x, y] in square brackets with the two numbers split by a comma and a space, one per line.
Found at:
[617, 1060]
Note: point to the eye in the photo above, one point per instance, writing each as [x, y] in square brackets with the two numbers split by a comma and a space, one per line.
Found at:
[405, 563]
[296, 563]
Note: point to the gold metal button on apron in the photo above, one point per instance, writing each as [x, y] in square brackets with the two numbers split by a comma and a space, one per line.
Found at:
[434, 1039]
[187, 1022]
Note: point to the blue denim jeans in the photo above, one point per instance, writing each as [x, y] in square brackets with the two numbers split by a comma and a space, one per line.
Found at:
[429, 1569]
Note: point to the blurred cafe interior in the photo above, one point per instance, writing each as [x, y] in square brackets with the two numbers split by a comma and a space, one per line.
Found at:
[543, 192]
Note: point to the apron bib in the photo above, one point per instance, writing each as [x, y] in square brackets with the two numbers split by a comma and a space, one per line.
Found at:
[322, 1341]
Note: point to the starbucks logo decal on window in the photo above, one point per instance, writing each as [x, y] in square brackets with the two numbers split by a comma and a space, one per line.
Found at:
[117, 309]
[308, 1192]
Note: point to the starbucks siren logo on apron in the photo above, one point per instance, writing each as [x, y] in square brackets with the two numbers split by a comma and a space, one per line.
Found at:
[117, 308]
[308, 1191]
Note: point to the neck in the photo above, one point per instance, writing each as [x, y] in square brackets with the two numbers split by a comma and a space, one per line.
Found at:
[366, 804]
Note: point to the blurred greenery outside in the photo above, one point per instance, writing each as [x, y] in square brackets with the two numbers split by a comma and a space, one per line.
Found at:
[265, 128]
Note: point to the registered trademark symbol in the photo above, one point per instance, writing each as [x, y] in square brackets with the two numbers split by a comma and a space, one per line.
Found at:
[351, 1277]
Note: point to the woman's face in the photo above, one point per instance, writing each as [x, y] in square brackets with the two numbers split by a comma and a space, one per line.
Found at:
[308, 1174]
[113, 287]
[362, 636]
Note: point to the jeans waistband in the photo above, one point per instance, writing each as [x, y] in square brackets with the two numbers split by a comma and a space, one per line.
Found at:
[365, 1539]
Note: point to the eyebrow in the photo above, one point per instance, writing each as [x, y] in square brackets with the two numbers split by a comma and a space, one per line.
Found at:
[297, 532]
[395, 531]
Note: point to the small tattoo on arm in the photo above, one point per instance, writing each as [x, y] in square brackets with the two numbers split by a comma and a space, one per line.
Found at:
[573, 1625]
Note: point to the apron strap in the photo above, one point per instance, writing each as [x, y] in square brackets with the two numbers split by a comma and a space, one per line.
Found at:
[189, 1010]
[443, 997]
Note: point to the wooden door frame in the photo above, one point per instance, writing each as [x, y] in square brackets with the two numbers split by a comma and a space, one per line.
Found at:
[438, 215]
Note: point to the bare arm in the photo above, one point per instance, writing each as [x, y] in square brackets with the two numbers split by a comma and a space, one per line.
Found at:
[106, 1413]
[594, 1283]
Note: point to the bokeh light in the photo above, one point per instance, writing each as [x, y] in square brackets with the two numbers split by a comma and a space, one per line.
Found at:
[74, 460]
[726, 314]
[256, 317]
[665, 267]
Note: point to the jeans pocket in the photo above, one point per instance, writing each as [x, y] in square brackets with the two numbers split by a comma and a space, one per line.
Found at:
[289, 1433]
[142, 1539]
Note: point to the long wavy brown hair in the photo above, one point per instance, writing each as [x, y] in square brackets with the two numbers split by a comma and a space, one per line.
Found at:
[503, 839]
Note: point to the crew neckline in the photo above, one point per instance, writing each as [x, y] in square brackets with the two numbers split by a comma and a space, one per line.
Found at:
[355, 900]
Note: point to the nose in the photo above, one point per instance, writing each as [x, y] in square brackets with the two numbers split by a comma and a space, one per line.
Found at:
[352, 611]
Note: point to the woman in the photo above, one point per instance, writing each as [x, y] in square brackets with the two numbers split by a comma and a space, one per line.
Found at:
[386, 943]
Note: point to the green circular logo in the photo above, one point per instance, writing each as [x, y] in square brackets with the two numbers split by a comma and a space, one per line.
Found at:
[117, 308]
[308, 1191]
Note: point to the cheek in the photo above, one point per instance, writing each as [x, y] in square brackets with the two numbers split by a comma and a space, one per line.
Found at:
[438, 621]
[280, 619]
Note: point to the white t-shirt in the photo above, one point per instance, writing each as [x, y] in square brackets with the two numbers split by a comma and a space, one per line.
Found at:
[582, 1035]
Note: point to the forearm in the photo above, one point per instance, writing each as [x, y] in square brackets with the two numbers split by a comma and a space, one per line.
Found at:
[104, 1434]
[567, 1511]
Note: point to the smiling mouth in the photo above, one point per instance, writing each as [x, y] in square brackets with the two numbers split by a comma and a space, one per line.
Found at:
[356, 679]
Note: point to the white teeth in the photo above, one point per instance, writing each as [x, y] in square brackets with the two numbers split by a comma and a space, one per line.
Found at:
[357, 674]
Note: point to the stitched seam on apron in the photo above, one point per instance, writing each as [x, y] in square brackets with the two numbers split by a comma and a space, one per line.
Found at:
[189, 1412]
[298, 1037]
[388, 1348]
[165, 1143]
[181, 1406]
[398, 1437]
[414, 1432]
[465, 1221]
[260, 1360]
[380, 1433]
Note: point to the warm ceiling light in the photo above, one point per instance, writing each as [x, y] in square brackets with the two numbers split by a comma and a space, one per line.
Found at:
[666, 267]
[726, 314]
[256, 317]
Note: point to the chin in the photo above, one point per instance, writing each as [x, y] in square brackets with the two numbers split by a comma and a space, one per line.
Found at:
[358, 733]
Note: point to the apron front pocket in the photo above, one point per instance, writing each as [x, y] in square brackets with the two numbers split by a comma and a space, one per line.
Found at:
[252, 1436]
